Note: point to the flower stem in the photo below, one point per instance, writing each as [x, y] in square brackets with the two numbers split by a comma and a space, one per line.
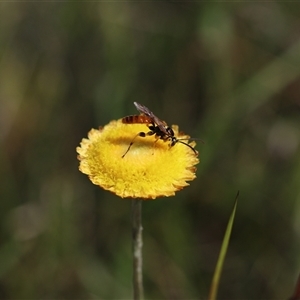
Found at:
[137, 244]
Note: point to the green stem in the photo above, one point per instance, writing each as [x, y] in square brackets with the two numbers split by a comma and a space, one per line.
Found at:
[137, 245]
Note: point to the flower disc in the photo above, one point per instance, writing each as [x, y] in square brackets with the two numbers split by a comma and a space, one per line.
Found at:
[150, 169]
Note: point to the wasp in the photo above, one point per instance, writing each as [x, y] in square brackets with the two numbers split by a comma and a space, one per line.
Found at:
[156, 126]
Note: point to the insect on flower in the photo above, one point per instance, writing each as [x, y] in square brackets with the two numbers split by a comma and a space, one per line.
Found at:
[156, 126]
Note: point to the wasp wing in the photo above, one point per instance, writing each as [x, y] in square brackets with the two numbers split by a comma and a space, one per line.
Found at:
[146, 111]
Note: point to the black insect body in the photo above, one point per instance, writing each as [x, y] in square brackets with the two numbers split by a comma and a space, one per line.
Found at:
[156, 126]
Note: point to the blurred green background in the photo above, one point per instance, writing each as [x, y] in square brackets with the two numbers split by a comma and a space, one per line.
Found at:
[228, 73]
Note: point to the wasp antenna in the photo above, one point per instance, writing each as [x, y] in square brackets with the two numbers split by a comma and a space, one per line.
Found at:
[192, 139]
[196, 139]
[187, 145]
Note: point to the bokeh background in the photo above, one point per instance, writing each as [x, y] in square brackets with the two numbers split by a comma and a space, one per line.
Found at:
[228, 73]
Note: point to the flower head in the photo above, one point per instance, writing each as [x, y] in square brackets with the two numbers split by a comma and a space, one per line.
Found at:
[150, 168]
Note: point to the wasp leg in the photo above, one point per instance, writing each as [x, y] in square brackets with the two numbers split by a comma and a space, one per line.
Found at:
[154, 143]
[141, 134]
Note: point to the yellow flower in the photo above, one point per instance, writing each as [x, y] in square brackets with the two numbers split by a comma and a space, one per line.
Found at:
[150, 169]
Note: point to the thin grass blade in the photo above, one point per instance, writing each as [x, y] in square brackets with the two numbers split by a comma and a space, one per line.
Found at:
[217, 274]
